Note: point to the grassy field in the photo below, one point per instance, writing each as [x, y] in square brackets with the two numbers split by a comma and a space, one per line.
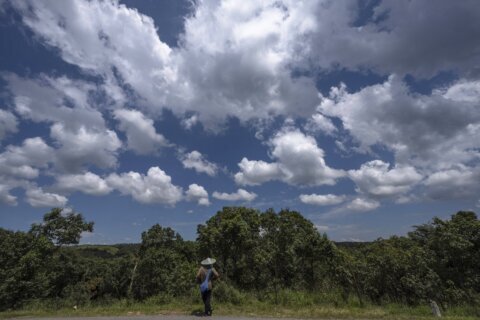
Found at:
[187, 306]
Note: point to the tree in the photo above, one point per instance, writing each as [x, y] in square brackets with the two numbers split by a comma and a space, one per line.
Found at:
[163, 267]
[25, 262]
[454, 246]
[62, 229]
[232, 237]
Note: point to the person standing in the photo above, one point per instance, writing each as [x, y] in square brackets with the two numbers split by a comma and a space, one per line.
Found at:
[205, 276]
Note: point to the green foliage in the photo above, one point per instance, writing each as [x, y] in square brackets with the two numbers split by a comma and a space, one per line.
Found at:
[24, 267]
[164, 266]
[229, 294]
[62, 229]
[232, 237]
[454, 247]
[264, 259]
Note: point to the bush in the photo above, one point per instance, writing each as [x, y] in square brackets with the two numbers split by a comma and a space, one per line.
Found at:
[226, 293]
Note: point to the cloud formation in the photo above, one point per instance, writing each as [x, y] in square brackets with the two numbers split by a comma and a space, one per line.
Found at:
[299, 161]
[362, 204]
[88, 183]
[197, 193]
[24, 161]
[36, 197]
[195, 160]
[154, 187]
[435, 131]
[8, 123]
[253, 61]
[239, 195]
[322, 199]
[142, 137]
[375, 179]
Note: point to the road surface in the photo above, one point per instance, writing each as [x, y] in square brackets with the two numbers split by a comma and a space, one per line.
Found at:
[158, 317]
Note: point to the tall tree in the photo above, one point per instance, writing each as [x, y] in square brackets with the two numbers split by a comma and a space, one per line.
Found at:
[62, 229]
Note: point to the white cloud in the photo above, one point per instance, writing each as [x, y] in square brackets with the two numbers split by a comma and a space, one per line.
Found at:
[141, 134]
[199, 76]
[299, 161]
[189, 122]
[239, 195]
[155, 187]
[375, 179]
[5, 196]
[322, 199]
[318, 122]
[235, 59]
[48, 99]
[241, 59]
[8, 123]
[195, 160]
[99, 36]
[253, 172]
[23, 161]
[459, 182]
[88, 183]
[84, 146]
[197, 193]
[36, 197]
[361, 204]
[78, 129]
[434, 131]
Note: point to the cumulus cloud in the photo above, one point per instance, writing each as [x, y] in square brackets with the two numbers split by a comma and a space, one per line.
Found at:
[24, 161]
[54, 100]
[299, 161]
[78, 148]
[255, 172]
[199, 76]
[241, 59]
[36, 197]
[318, 122]
[5, 196]
[375, 179]
[141, 134]
[256, 60]
[239, 195]
[362, 204]
[460, 182]
[98, 37]
[197, 193]
[88, 183]
[78, 129]
[195, 160]
[8, 123]
[435, 130]
[189, 122]
[322, 199]
[155, 187]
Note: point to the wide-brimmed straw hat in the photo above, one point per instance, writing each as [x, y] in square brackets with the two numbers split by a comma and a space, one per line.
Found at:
[208, 262]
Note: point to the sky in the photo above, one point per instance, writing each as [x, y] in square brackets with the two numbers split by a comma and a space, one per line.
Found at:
[362, 115]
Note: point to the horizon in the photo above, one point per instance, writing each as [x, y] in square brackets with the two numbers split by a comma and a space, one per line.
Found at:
[363, 116]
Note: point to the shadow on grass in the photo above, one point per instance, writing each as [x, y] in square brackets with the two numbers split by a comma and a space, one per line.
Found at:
[197, 313]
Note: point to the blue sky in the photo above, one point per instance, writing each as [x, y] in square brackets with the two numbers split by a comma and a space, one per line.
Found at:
[364, 116]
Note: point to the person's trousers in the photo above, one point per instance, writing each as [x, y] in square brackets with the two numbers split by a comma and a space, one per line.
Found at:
[206, 296]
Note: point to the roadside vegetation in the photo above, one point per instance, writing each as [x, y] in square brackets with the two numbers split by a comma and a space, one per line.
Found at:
[271, 264]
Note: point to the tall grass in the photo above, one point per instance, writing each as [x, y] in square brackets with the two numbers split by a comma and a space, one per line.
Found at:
[228, 300]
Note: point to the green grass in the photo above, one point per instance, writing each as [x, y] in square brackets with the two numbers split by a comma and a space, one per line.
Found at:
[229, 301]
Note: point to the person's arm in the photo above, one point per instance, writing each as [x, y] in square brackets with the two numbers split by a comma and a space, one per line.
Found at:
[215, 274]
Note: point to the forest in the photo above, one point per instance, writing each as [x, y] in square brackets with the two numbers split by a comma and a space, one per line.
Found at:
[259, 254]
